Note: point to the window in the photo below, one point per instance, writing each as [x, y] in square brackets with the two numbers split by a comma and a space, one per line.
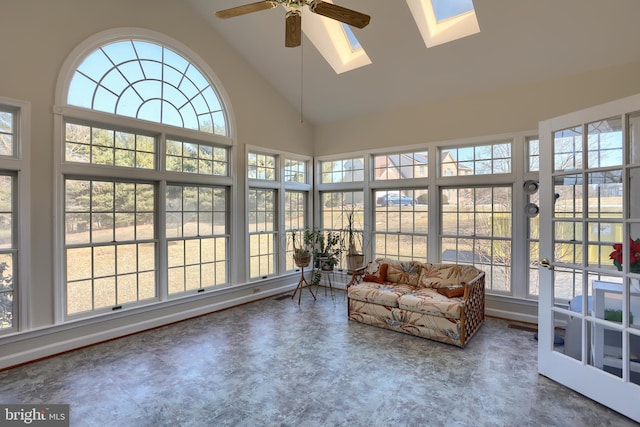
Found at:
[532, 200]
[401, 224]
[446, 9]
[148, 81]
[443, 21]
[8, 250]
[295, 220]
[99, 146]
[193, 157]
[109, 243]
[8, 120]
[336, 171]
[278, 204]
[14, 213]
[401, 166]
[262, 166]
[533, 147]
[351, 37]
[261, 214]
[335, 208]
[533, 239]
[197, 237]
[476, 229]
[335, 41]
[146, 214]
[295, 171]
[475, 185]
[489, 159]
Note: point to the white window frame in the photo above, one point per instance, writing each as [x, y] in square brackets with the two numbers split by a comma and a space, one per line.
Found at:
[434, 182]
[62, 112]
[280, 186]
[19, 164]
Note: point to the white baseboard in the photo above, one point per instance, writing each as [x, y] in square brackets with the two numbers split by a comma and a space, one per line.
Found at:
[54, 340]
[510, 315]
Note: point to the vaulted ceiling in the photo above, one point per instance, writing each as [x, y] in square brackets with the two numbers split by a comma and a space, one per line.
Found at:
[520, 42]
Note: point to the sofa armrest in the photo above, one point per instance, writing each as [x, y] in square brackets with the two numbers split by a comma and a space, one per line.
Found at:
[472, 306]
[356, 275]
[473, 285]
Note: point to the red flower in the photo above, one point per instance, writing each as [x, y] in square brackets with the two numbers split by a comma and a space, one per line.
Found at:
[634, 255]
[635, 251]
[616, 255]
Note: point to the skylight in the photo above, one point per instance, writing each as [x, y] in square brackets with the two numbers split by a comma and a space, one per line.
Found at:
[443, 21]
[335, 41]
[445, 9]
[351, 38]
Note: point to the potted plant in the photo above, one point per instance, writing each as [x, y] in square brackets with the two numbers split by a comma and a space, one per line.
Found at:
[326, 249]
[301, 253]
[355, 258]
[330, 249]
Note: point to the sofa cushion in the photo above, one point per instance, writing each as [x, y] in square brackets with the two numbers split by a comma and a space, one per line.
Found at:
[373, 267]
[468, 273]
[379, 293]
[429, 301]
[451, 291]
[403, 272]
[446, 275]
[378, 273]
[439, 275]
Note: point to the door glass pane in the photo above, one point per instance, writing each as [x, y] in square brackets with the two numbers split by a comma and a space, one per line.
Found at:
[568, 242]
[567, 149]
[568, 193]
[568, 284]
[634, 308]
[605, 194]
[634, 196]
[634, 281]
[534, 245]
[607, 336]
[568, 332]
[604, 143]
[601, 237]
[634, 138]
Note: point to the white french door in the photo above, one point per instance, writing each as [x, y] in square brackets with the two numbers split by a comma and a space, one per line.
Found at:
[589, 306]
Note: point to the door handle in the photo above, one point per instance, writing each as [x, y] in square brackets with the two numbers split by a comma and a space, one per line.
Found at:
[544, 262]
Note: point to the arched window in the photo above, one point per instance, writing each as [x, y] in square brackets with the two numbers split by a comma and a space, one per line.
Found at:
[144, 188]
[148, 81]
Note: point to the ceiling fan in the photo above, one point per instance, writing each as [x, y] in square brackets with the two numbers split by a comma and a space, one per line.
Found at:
[293, 24]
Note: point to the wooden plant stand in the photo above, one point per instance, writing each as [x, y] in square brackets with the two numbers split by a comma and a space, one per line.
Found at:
[302, 284]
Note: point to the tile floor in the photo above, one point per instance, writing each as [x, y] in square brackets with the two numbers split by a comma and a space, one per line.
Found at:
[277, 363]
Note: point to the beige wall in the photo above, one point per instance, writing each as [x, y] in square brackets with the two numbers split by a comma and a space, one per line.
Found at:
[510, 110]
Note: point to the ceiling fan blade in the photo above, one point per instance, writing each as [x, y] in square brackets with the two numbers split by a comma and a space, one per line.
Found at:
[247, 8]
[339, 13]
[293, 29]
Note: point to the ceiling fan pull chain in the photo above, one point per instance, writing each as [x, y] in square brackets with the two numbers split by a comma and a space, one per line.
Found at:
[301, 78]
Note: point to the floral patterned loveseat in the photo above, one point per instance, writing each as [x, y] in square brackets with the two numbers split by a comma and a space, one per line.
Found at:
[442, 302]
